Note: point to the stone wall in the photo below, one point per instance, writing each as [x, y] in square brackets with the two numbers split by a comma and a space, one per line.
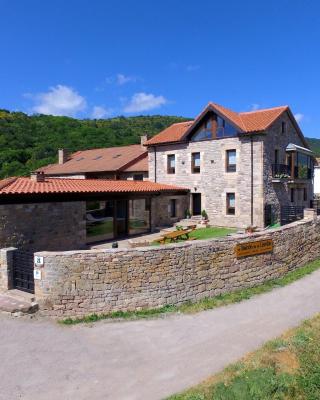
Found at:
[160, 211]
[213, 181]
[83, 282]
[43, 226]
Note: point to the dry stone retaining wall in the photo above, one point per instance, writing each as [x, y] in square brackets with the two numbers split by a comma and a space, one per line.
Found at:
[95, 281]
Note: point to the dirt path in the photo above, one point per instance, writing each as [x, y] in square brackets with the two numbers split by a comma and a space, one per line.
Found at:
[139, 360]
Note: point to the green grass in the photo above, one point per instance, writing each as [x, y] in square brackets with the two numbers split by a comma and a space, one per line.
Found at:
[205, 233]
[283, 369]
[206, 303]
[209, 233]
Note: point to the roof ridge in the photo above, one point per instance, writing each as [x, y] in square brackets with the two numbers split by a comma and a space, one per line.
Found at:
[263, 110]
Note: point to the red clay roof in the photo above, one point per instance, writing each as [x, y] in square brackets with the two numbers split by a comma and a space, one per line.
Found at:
[173, 133]
[247, 122]
[138, 166]
[24, 185]
[99, 160]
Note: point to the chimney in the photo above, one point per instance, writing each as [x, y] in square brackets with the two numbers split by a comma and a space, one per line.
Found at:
[37, 176]
[63, 156]
[143, 139]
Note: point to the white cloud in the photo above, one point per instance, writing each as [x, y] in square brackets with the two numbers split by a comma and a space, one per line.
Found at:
[122, 79]
[254, 107]
[99, 112]
[143, 102]
[59, 100]
[299, 117]
[191, 68]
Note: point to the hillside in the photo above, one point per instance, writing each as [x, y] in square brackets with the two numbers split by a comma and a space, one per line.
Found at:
[29, 142]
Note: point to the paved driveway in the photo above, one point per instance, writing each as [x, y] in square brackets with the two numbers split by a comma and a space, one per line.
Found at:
[143, 359]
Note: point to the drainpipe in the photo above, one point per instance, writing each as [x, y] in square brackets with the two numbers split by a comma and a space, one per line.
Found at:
[155, 163]
[251, 140]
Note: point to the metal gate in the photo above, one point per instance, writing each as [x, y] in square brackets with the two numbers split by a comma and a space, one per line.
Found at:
[23, 271]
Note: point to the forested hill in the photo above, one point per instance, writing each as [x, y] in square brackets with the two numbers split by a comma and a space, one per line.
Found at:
[29, 142]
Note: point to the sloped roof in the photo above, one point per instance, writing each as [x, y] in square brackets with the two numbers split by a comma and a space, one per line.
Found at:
[99, 160]
[138, 166]
[246, 122]
[22, 185]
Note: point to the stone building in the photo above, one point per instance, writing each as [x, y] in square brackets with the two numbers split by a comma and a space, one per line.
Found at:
[241, 168]
[124, 162]
[41, 213]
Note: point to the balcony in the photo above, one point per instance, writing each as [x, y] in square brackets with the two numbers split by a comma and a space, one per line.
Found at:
[282, 172]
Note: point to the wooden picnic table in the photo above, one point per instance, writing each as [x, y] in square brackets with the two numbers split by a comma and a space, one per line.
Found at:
[174, 236]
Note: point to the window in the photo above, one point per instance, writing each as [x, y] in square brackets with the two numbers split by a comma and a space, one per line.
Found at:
[204, 132]
[283, 127]
[171, 164]
[224, 129]
[292, 195]
[305, 198]
[173, 210]
[231, 163]
[138, 177]
[195, 163]
[276, 156]
[231, 203]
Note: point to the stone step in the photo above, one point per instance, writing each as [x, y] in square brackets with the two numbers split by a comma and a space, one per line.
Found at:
[21, 303]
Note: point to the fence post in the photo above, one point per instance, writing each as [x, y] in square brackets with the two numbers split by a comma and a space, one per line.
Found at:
[310, 213]
[6, 268]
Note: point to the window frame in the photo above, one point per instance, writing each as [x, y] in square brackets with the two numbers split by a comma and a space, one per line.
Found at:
[292, 195]
[231, 167]
[195, 169]
[173, 208]
[171, 170]
[230, 210]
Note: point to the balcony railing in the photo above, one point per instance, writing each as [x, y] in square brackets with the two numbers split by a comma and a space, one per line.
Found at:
[281, 171]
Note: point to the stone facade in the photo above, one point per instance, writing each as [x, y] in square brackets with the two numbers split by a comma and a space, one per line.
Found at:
[214, 182]
[43, 226]
[95, 281]
[160, 210]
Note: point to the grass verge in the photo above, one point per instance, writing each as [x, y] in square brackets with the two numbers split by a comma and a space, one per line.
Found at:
[283, 369]
[204, 304]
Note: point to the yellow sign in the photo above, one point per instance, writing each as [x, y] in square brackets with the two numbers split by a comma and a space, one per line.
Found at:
[253, 248]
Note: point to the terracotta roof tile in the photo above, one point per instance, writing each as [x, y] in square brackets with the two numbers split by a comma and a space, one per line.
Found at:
[247, 122]
[97, 160]
[138, 166]
[173, 133]
[55, 185]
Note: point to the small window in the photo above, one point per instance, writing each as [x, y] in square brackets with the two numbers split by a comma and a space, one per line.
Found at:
[148, 204]
[195, 163]
[305, 197]
[292, 195]
[231, 164]
[173, 211]
[138, 177]
[283, 127]
[276, 156]
[231, 203]
[171, 164]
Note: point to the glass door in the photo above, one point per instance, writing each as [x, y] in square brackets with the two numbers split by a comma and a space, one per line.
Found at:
[121, 218]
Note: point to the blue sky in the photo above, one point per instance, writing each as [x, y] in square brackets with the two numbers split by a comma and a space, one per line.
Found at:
[102, 58]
